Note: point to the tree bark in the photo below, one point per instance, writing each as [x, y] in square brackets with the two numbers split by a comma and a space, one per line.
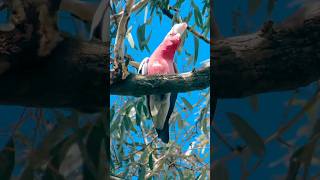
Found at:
[138, 85]
[73, 76]
[276, 58]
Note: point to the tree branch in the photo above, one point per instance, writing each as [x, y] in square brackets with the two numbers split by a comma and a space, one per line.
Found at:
[276, 58]
[73, 76]
[118, 63]
[189, 28]
[137, 85]
[140, 4]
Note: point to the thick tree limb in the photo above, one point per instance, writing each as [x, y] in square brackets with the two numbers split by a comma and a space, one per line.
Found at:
[277, 58]
[137, 85]
[74, 76]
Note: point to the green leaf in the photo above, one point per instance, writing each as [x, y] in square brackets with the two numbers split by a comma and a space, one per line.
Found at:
[98, 16]
[187, 19]
[187, 103]
[144, 156]
[248, 134]
[220, 172]
[295, 163]
[197, 14]
[112, 112]
[141, 35]
[145, 14]
[141, 8]
[139, 111]
[180, 121]
[93, 145]
[196, 49]
[59, 151]
[203, 174]
[178, 4]
[115, 124]
[204, 123]
[145, 110]
[180, 173]
[127, 122]
[142, 173]
[206, 28]
[130, 40]
[150, 161]
[143, 42]
[253, 6]
[7, 158]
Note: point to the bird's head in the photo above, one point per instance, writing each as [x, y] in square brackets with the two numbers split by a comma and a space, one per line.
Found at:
[173, 38]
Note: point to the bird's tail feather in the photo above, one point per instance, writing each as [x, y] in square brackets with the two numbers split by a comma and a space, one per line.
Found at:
[163, 134]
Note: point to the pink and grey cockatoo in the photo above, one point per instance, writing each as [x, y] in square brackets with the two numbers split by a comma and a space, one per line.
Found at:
[161, 62]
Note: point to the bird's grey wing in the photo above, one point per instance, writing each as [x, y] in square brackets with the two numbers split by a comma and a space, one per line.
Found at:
[163, 133]
[148, 105]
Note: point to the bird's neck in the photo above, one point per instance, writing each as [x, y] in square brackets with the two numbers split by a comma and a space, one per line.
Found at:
[164, 52]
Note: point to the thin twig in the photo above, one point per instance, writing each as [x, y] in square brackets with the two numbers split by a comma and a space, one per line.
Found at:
[134, 8]
[222, 138]
[190, 29]
[282, 141]
[295, 119]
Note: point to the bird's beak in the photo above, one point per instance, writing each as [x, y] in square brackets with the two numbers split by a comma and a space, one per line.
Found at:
[180, 28]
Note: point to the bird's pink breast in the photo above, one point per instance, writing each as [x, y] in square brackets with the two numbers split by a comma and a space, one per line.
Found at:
[160, 67]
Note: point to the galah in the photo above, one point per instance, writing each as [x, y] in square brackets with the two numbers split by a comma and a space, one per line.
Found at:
[161, 62]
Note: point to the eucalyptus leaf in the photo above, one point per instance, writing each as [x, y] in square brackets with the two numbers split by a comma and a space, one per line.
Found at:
[98, 16]
[187, 103]
[248, 134]
[142, 173]
[112, 113]
[130, 40]
[150, 161]
[196, 49]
